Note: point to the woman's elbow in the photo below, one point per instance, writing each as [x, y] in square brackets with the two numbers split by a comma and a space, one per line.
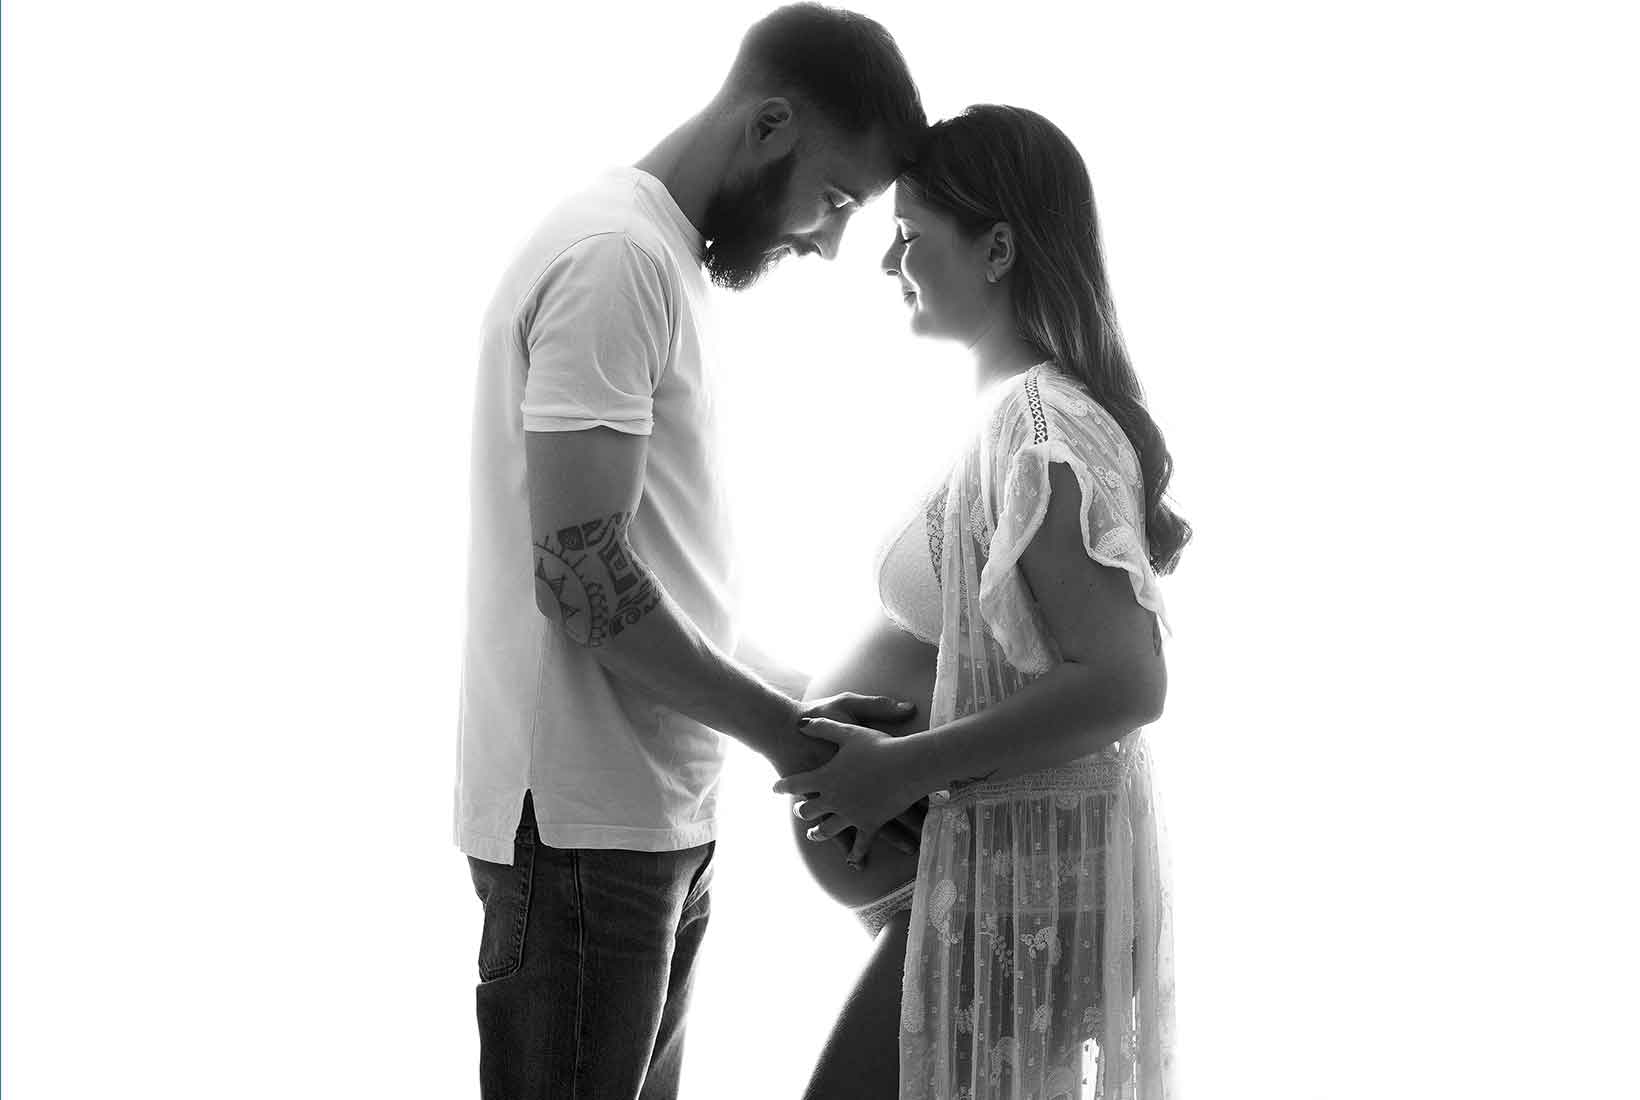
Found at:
[1147, 695]
[1128, 698]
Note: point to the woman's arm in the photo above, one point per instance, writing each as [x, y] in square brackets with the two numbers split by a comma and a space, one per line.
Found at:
[1112, 681]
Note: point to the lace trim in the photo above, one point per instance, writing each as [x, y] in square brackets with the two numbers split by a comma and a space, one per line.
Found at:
[874, 914]
[909, 627]
[1097, 775]
[1033, 397]
[934, 521]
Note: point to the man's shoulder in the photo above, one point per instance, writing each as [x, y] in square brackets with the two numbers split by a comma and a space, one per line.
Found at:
[604, 231]
[608, 215]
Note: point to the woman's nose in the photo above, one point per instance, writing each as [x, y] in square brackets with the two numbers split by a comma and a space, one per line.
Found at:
[891, 260]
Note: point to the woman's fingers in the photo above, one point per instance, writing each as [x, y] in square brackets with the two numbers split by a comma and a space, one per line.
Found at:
[811, 809]
[800, 783]
[906, 825]
[914, 817]
[898, 837]
[831, 826]
[862, 845]
[827, 828]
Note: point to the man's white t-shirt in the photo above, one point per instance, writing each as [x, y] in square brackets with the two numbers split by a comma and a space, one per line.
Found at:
[599, 322]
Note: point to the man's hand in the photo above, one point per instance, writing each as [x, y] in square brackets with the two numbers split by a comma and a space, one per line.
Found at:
[860, 710]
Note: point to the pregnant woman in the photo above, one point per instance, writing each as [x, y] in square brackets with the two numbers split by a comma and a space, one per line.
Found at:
[1025, 951]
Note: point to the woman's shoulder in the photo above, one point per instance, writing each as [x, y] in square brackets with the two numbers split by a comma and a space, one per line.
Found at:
[1062, 391]
[1037, 402]
[1048, 406]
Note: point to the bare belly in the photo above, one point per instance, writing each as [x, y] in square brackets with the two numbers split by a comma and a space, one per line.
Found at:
[884, 661]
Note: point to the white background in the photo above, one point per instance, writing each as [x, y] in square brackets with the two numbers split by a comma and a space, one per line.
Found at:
[1376, 265]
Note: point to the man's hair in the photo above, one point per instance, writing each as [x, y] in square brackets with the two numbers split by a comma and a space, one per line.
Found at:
[844, 64]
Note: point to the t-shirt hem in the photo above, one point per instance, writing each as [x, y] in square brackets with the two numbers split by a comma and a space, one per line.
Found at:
[496, 849]
[537, 423]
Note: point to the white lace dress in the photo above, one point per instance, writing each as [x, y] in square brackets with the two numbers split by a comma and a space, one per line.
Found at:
[1039, 964]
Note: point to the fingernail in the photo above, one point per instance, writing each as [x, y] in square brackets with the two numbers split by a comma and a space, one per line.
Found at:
[803, 723]
[903, 705]
[852, 864]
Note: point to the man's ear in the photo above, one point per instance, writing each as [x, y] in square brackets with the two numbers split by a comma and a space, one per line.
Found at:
[770, 131]
[1000, 252]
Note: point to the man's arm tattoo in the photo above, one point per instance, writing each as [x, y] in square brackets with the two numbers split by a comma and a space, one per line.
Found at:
[601, 588]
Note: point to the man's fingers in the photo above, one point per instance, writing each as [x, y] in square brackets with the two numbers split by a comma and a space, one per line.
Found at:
[823, 729]
[879, 707]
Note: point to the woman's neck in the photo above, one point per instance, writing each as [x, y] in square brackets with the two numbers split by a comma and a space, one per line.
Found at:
[1001, 355]
[999, 351]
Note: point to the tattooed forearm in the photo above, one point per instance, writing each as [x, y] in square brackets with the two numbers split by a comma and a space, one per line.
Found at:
[598, 586]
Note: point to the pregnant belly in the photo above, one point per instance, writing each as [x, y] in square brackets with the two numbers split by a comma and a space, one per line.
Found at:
[886, 661]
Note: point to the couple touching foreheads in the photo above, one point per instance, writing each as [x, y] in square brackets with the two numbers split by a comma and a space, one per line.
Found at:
[971, 778]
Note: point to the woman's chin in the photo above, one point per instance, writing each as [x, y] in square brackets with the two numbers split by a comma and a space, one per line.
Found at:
[927, 328]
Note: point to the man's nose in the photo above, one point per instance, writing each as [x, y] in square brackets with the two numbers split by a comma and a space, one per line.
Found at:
[828, 242]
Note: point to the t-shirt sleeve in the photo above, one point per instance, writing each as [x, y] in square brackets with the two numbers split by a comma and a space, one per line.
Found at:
[597, 340]
[1049, 423]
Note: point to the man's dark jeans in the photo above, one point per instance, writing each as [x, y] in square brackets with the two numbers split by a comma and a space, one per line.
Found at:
[585, 968]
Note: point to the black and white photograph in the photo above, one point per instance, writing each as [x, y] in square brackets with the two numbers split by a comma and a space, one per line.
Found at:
[867, 551]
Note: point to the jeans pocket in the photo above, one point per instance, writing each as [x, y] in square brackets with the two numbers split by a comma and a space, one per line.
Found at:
[505, 893]
[701, 886]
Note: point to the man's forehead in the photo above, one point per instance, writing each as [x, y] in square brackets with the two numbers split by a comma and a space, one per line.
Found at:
[862, 189]
[862, 168]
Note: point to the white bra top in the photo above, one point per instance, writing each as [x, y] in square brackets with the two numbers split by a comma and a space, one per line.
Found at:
[908, 585]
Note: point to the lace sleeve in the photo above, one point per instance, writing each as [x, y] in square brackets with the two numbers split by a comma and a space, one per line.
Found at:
[1051, 420]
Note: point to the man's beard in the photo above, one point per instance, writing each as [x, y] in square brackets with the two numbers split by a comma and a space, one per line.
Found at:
[742, 225]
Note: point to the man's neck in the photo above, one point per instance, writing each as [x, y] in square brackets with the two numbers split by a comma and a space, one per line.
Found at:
[689, 162]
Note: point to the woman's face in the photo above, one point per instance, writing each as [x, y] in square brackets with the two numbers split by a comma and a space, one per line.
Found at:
[941, 271]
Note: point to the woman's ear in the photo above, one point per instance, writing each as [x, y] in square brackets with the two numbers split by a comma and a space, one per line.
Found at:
[999, 252]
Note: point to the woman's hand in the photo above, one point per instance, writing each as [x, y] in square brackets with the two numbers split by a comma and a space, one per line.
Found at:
[903, 834]
[796, 753]
[872, 779]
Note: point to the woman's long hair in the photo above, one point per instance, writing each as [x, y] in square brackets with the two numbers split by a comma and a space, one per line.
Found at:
[1006, 164]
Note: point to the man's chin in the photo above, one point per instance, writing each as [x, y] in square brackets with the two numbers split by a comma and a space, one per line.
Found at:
[731, 275]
